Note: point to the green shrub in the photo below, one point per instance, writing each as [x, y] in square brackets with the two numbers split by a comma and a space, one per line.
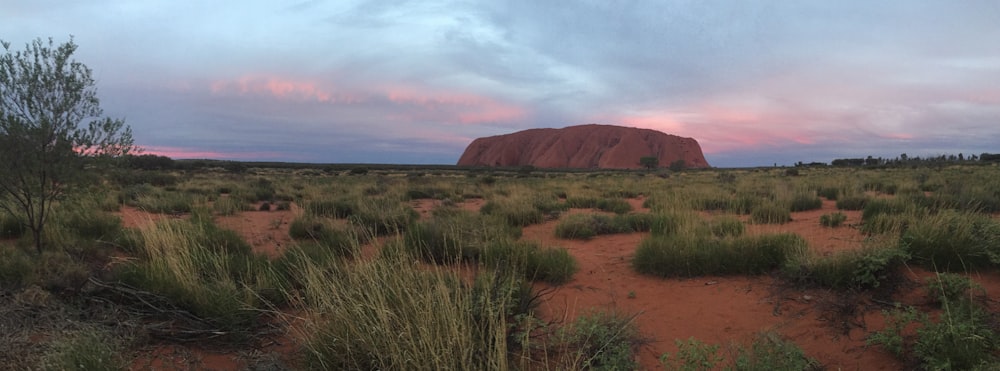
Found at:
[602, 341]
[805, 202]
[688, 255]
[856, 202]
[952, 288]
[615, 205]
[770, 214]
[832, 220]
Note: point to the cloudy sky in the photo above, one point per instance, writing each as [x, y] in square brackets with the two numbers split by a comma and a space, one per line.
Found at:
[755, 82]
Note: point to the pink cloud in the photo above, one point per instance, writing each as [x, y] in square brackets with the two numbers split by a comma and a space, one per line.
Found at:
[196, 153]
[411, 103]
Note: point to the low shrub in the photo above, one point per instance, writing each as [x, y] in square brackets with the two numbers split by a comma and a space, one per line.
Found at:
[518, 214]
[615, 205]
[832, 220]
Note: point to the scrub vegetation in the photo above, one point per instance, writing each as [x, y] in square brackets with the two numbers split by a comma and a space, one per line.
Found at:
[368, 281]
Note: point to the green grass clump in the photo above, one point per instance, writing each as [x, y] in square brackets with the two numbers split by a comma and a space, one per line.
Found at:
[866, 268]
[230, 206]
[202, 269]
[832, 220]
[953, 241]
[615, 205]
[727, 226]
[770, 213]
[855, 202]
[829, 193]
[805, 202]
[85, 350]
[767, 351]
[340, 208]
[338, 241]
[518, 214]
[382, 216]
[456, 236]
[689, 255]
[554, 265]
[392, 314]
[165, 202]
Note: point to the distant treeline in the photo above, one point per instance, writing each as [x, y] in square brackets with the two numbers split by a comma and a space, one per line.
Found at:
[904, 160]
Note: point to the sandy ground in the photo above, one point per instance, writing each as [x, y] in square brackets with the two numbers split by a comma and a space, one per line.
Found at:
[716, 310]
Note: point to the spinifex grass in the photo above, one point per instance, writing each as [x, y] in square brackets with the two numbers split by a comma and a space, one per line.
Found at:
[697, 254]
[201, 268]
[391, 314]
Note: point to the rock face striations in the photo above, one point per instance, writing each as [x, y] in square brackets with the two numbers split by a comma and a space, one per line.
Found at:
[584, 146]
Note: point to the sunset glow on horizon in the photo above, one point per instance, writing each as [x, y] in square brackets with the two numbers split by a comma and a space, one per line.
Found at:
[755, 83]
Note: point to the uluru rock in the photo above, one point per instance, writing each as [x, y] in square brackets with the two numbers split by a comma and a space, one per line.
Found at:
[584, 146]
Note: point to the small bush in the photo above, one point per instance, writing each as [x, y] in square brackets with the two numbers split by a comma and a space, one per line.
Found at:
[770, 214]
[832, 220]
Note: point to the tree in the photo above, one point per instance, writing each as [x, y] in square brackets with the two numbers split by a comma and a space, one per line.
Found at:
[51, 130]
[649, 162]
[678, 165]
